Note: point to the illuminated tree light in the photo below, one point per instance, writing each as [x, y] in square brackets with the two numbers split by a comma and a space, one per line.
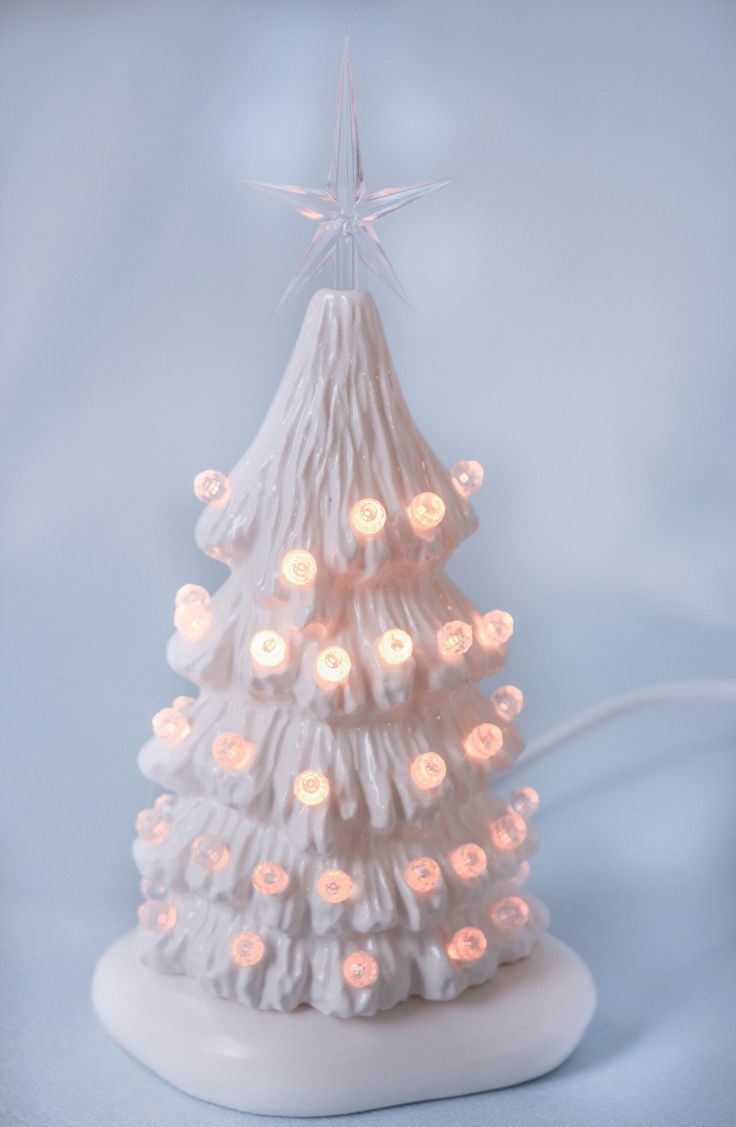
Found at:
[508, 832]
[152, 826]
[334, 886]
[426, 510]
[454, 638]
[170, 725]
[508, 701]
[395, 646]
[299, 568]
[269, 878]
[483, 742]
[467, 945]
[246, 949]
[311, 787]
[192, 593]
[231, 752]
[428, 770]
[333, 665]
[182, 702]
[469, 860]
[165, 804]
[368, 516]
[509, 914]
[524, 802]
[422, 874]
[212, 487]
[210, 852]
[521, 876]
[495, 628]
[360, 969]
[268, 649]
[157, 916]
[192, 620]
[467, 477]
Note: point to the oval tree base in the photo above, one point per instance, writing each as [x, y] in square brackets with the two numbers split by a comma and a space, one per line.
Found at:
[521, 1024]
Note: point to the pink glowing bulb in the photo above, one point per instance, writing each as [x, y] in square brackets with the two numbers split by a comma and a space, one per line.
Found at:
[495, 628]
[231, 752]
[192, 620]
[508, 702]
[268, 649]
[428, 770]
[152, 826]
[269, 878]
[246, 949]
[170, 725]
[524, 802]
[508, 832]
[210, 852]
[368, 516]
[333, 665]
[311, 787]
[426, 510]
[467, 945]
[212, 487]
[360, 969]
[422, 874]
[334, 886]
[509, 914]
[467, 477]
[483, 742]
[157, 915]
[299, 568]
[469, 860]
[395, 646]
[454, 638]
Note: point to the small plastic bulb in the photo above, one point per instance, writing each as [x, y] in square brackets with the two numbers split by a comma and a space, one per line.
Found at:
[269, 878]
[469, 860]
[360, 969]
[231, 752]
[334, 886]
[268, 649]
[157, 915]
[422, 874]
[333, 665]
[467, 477]
[483, 742]
[467, 945]
[426, 510]
[524, 802]
[299, 568]
[495, 628]
[508, 702]
[192, 620]
[454, 638]
[428, 770]
[192, 593]
[508, 832]
[509, 914]
[170, 725]
[152, 826]
[212, 487]
[395, 646]
[246, 949]
[311, 787]
[210, 852]
[165, 804]
[368, 516]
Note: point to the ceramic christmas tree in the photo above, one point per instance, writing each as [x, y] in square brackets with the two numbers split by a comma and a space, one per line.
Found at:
[328, 843]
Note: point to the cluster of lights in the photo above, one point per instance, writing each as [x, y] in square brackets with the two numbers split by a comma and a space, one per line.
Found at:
[192, 614]
[232, 753]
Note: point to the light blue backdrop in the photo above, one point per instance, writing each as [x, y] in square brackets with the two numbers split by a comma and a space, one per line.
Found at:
[572, 328]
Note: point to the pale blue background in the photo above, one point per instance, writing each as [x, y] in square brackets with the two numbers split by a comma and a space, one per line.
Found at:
[572, 327]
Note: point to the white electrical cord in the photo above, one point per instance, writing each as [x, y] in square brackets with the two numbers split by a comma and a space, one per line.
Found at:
[676, 692]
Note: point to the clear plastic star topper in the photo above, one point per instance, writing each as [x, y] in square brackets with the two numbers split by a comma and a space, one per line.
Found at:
[345, 213]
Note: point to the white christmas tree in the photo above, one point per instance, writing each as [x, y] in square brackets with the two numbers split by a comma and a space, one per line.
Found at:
[328, 833]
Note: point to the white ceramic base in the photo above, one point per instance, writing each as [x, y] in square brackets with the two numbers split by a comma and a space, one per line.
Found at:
[521, 1024]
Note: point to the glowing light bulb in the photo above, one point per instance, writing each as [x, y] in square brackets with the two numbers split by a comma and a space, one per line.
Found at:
[210, 852]
[524, 802]
[508, 832]
[454, 638]
[467, 477]
[182, 702]
[268, 649]
[483, 742]
[334, 886]
[269, 878]
[212, 487]
[426, 510]
[165, 804]
[422, 874]
[333, 665]
[495, 628]
[368, 516]
[467, 945]
[509, 914]
[521, 876]
[508, 701]
[171, 725]
[311, 787]
[360, 969]
[192, 593]
[157, 915]
[153, 889]
[395, 646]
[428, 770]
[246, 949]
[299, 568]
[152, 826]
[192, 620]
[231, 752]
[469, 860]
